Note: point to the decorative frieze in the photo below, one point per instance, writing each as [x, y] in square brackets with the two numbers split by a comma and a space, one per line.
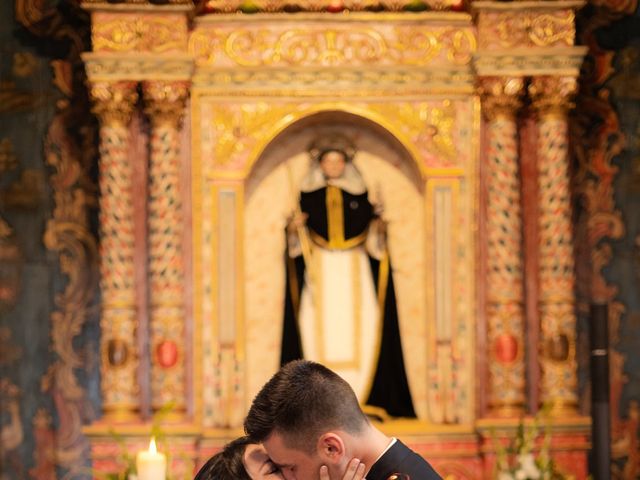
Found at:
[138, 32]
[310, 42]
[526, 28]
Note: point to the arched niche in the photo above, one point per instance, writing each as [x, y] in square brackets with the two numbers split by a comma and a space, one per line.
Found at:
[393, 178]
[418, 155]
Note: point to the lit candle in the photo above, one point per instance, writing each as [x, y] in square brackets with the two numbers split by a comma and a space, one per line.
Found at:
[151, 464]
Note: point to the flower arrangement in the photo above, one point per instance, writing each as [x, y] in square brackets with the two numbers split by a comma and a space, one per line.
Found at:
[519, 460]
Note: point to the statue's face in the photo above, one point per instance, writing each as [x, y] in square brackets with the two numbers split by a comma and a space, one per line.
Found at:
[332, 164]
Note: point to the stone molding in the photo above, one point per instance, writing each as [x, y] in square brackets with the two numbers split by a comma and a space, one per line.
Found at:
[564, 61]
[111, 67]
[343, 82]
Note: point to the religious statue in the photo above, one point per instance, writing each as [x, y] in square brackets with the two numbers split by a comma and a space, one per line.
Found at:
[340, 306]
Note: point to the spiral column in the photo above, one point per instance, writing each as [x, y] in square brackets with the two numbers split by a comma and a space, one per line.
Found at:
[501, 100]
[164, 105]
[113, 104]
[551, 98]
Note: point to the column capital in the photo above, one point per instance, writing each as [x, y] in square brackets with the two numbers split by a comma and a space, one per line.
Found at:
[501, 96]
[165, 101]
[552, 94]
[114, 102]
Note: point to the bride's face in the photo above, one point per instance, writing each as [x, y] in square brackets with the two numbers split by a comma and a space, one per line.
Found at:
[332, 164]
[258, 464]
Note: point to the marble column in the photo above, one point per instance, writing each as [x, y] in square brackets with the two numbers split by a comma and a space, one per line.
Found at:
[550, 98]
[501, 100]
[165, 106]
[113, 104]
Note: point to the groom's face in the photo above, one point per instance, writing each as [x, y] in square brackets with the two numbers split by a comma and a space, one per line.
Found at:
[294, 464]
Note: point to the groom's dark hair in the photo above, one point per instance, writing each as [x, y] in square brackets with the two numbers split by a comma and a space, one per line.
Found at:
[302, 401]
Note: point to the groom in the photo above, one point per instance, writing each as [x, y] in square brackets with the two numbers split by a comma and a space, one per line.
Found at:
[307, 417]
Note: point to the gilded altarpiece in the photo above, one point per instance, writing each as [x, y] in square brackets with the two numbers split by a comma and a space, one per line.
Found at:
[431, 100]
[256, 105]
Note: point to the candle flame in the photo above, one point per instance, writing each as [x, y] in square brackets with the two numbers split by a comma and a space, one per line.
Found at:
[152, 445]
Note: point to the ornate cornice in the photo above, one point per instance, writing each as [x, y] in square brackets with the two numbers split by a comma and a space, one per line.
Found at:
[530, 61]
[128, 5]
[330, 6]
[137, 66]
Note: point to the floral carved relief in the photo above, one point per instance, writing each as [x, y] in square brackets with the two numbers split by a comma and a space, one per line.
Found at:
[314, 45]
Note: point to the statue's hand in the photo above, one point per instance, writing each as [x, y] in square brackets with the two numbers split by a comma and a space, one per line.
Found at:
[296, 220]
[378, 209]
[355, 471]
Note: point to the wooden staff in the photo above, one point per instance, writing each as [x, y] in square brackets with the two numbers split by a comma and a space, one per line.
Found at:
[301, 230]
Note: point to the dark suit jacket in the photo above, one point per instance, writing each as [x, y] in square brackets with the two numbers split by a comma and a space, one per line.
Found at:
[401, 460]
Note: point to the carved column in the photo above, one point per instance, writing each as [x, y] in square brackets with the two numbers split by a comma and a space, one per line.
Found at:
[501, 99]
[165, 102]
[551, 99]
[113, 104]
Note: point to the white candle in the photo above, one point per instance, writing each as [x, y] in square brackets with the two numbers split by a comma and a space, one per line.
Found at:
[151, 464]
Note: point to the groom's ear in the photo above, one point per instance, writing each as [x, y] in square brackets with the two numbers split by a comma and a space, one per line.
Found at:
[331, 447]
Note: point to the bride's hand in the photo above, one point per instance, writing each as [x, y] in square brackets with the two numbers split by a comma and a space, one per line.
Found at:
[355, 471]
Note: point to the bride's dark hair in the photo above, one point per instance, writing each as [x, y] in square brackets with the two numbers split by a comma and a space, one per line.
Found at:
[227, 464]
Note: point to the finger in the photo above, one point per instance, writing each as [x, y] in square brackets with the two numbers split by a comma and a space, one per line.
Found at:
[324, 473]
[352, 469]
[359, 475]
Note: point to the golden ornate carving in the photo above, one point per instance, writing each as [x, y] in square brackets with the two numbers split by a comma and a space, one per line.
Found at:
[501, 100]
[524, 28]
[68, 233]
[127, 32]
[164, 103]
[430, 125]
[550, 97]
[236, 129]
[313, 44]
[113, 103]
[501, 96]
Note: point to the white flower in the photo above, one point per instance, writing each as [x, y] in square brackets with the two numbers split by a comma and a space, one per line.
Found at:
[528, 469]
[505, 476]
